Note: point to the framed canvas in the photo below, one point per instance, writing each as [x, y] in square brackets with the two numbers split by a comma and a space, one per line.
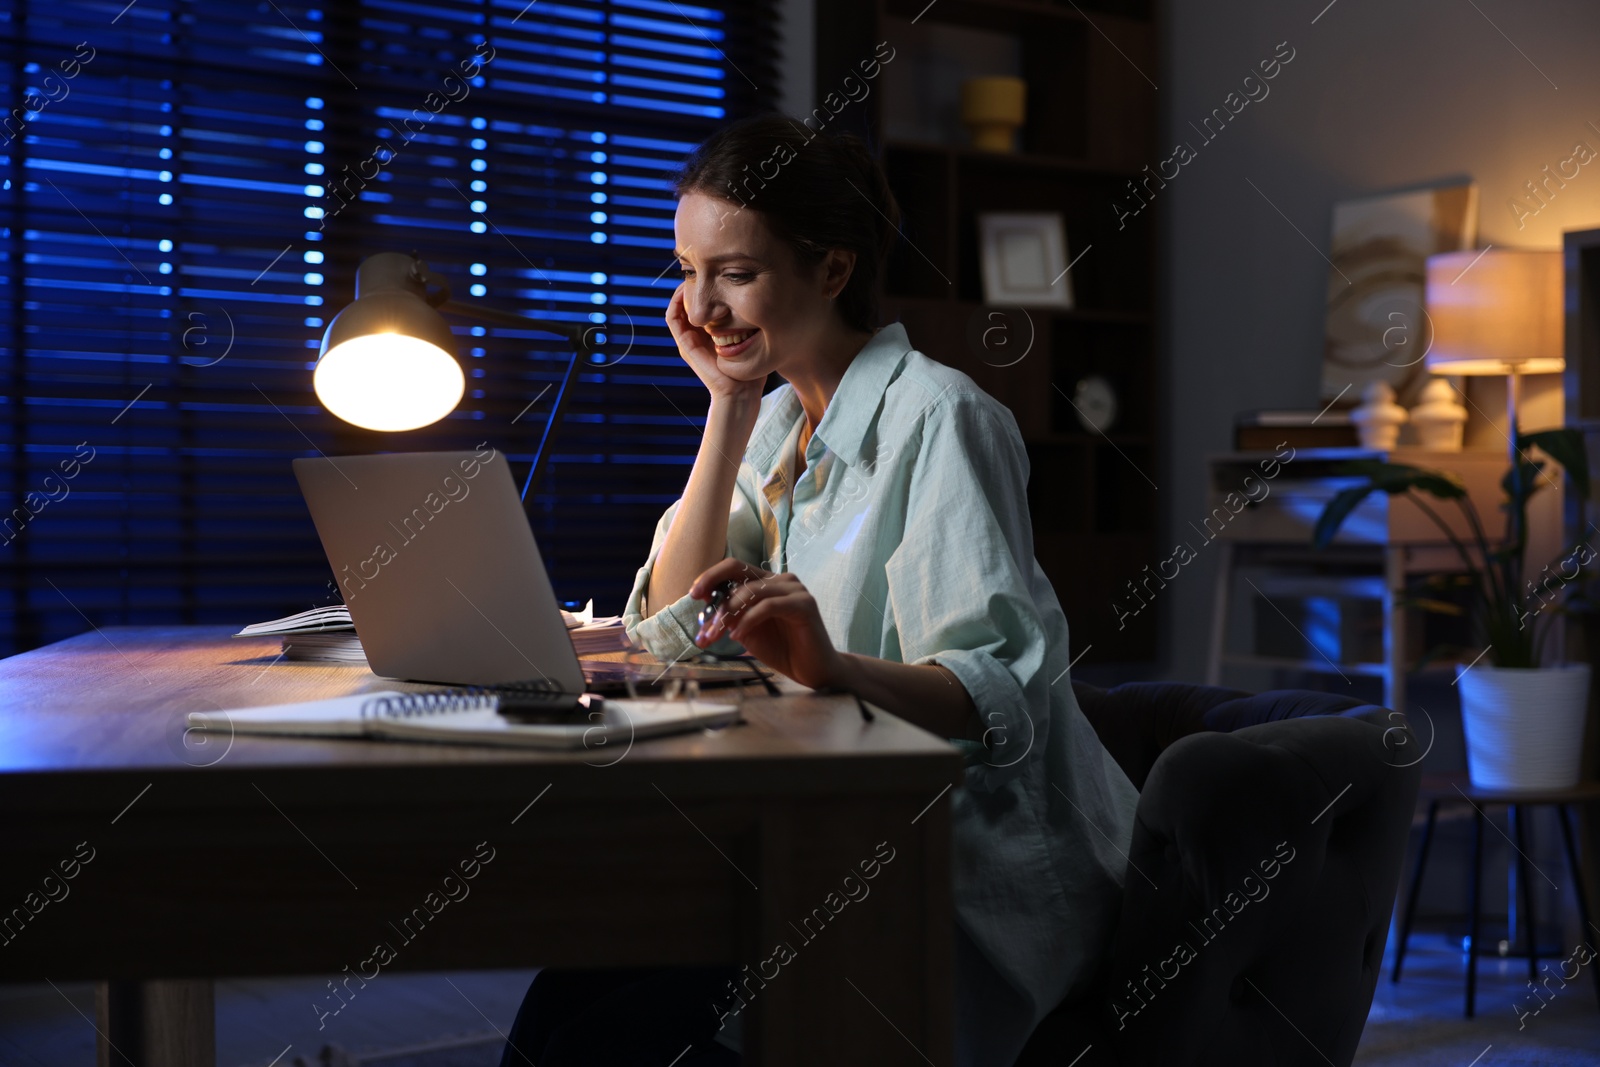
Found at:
[1377, 328]
[1024, 259]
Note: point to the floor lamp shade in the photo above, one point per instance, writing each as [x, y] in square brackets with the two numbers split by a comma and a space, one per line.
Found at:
[1495, 312]
[388, 359]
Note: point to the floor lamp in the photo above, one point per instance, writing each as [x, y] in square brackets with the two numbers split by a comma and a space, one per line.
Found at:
[1496, 312]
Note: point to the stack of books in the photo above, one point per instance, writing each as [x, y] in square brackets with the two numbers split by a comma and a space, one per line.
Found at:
[335, 618]
[321, 635]
[325, 648]
[590, 634]
[326, 634]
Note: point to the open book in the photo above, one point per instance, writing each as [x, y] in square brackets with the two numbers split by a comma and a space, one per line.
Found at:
[466, 717]
[333, 617]
[337, 617]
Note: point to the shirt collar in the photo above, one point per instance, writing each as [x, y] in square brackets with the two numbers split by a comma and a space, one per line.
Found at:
[850, 413]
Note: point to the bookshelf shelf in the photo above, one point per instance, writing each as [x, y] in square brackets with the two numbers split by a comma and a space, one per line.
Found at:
[1091, 128]
[1016, 162]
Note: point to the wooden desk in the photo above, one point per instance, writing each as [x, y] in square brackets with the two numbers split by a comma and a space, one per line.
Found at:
[286, 856]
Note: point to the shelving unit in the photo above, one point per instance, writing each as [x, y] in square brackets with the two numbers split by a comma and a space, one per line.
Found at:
[1581, 258]
[1337, 611]
[1091, 129]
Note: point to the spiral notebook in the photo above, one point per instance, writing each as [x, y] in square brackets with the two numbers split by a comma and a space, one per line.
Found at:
[467, 717]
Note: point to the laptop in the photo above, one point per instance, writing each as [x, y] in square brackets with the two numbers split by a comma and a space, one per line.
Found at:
[434, 556]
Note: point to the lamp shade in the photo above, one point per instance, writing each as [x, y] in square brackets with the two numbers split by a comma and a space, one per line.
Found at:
[387, 360]
[1495, 312]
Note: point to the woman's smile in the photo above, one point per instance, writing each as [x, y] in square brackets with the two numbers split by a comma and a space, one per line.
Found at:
[731, 343]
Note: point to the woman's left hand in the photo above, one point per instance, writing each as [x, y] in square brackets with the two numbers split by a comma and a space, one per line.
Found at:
[776, 618]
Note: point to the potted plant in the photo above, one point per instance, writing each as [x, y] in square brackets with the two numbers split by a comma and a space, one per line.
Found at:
[1523, 721]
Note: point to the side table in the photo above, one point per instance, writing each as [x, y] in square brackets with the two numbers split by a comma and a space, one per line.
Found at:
[1444, 789]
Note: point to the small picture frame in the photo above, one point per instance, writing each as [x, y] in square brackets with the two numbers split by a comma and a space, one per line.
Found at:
[1024, 259]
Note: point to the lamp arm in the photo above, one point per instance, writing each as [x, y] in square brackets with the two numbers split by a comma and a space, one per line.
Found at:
[575, 333]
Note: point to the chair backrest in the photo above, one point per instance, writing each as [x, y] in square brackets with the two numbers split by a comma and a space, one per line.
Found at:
[1140, 720]
[1262, 874]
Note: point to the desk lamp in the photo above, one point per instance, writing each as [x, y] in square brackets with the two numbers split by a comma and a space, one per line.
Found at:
[1496, 312]
[388, 359]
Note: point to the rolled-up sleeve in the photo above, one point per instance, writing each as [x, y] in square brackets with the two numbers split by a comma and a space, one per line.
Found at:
[669, 633]
[958, 580]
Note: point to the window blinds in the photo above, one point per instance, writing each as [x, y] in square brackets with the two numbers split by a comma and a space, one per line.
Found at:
[187, 190]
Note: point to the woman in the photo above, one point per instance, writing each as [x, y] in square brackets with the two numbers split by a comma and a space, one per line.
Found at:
[872, 513]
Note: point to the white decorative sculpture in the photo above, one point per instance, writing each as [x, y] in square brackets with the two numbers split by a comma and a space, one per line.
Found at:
[1379, 418]
[1440, 419]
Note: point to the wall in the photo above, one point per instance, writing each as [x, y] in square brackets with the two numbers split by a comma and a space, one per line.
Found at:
[1381, 95]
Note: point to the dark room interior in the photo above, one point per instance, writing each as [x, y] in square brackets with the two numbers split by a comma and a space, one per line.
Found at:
[522, 516]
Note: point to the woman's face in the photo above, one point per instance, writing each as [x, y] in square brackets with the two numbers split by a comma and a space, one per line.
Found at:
[745, 288]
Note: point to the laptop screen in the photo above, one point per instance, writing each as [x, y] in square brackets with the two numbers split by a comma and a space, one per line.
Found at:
[439, 567]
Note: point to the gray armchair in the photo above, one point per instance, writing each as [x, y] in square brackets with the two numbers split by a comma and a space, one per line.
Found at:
[1261, 879]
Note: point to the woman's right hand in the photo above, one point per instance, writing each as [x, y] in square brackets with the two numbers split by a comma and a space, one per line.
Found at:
[698, 351]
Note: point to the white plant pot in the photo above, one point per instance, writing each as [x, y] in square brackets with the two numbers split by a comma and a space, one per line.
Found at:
[1524, 725]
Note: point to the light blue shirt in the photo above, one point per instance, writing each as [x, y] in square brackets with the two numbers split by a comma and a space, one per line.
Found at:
[910, 528]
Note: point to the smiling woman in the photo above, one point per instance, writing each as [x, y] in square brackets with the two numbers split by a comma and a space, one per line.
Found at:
[787, 285]
[871, 516]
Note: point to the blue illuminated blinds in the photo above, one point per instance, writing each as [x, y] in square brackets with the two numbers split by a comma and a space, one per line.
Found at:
[187, 189]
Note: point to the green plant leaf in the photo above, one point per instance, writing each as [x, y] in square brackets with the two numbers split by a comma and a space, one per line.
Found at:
[1565, 446]
[1337, 510]
[1395, 478]
[1530, 473]
[1436, 654]
[1437, 607]
[1444, 485]
[1447, 581]
[1495, 609]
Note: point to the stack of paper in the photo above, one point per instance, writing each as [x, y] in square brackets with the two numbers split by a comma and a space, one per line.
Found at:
[592, 634]
[327, 635]
[335, 617]
[604, 635]
[324, 648]
[320, 635]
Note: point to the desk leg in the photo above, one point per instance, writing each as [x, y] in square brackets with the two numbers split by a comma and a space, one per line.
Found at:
[1472, 907]
[156, 1024]
[879, 988]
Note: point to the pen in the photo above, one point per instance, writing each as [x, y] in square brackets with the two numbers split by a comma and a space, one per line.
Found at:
[866, 713]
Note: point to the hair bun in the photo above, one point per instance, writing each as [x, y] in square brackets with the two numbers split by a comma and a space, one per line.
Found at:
[816, 188]
[874, 186]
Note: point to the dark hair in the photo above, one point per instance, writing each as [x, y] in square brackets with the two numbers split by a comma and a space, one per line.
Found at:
[817, 190]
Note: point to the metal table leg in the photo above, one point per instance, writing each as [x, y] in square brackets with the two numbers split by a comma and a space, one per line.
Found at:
[1577, 885]
[1530, 925]
[1474, 899]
